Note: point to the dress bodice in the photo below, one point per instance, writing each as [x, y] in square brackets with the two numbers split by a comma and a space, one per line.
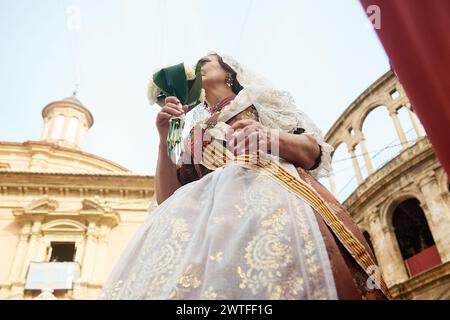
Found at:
[189, 171]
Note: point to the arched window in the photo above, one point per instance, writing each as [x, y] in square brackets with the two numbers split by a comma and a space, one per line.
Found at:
[382, 141]
[414, 237]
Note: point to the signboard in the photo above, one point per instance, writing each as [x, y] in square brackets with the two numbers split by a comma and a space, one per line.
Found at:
[52, 275]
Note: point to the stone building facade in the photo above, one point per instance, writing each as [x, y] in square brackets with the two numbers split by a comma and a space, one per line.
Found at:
[60, 205]
[403, 207]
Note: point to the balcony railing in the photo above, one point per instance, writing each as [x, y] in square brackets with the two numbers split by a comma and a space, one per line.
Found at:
[423, 261]
[52, 275]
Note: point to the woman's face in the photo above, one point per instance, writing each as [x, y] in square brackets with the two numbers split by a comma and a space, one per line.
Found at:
[212, 72]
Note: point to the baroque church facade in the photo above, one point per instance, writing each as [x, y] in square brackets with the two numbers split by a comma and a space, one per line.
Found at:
[65, 214]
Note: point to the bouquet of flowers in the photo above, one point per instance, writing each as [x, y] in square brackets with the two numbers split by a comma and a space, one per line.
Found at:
[185, 84]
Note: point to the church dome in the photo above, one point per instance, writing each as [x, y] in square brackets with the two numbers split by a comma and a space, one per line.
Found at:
[66, 122]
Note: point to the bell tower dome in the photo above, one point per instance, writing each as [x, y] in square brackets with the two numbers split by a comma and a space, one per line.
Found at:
[66, 122]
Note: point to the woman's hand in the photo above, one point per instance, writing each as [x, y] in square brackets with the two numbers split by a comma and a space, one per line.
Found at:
[248, 136]
[171, 108]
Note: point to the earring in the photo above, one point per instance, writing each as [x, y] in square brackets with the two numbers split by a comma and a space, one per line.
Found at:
[229, 80]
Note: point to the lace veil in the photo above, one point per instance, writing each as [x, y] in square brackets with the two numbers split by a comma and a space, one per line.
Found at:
[276, 109]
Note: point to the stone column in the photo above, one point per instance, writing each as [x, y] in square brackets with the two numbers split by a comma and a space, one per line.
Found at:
[415, 122]
[45, 130]
[32, 247]
[436, 213]
[358, 174]
[332, 184]
[81, 131]
[367, 160]
[89, 253]
[102, 250]
[65, 128]
[79, 288]
[399, 129]
[79, 245]
[387, 251]
[51, 128]
[42, 250]
[19, 258]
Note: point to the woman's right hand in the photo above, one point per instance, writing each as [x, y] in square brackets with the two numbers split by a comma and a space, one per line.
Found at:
[171, 108]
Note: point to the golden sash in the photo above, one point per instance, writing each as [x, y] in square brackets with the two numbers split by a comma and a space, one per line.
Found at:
[215, 155]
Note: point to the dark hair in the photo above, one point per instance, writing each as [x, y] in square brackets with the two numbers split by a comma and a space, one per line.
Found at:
[236, 87]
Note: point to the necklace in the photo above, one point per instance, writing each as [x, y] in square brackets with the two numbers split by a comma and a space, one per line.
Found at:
[220, 104]
[216, 109]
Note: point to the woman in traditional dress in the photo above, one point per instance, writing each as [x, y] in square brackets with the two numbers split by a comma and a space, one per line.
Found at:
[230, 223]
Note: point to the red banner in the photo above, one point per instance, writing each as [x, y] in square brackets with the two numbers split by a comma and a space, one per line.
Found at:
[416, 37]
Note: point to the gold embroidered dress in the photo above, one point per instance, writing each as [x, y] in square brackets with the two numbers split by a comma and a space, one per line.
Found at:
[237, 230]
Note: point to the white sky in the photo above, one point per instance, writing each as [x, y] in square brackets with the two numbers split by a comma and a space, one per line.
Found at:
[323, 51]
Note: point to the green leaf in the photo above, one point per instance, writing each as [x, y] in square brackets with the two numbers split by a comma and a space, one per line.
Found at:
[196, 88]
[159, 78]
[172, 80]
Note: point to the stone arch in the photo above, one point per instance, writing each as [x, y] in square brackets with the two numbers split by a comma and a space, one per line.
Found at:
[402, 221]
[335, 146]
[376, 121]
[387, 209]
[366, 110]
[64, 225]
[414, 237]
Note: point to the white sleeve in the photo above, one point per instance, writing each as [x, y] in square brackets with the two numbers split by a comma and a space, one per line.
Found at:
[324, 168]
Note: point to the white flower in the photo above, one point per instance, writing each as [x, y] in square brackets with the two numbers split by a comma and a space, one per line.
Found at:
[152, 92]
[190, 73]
[202, 96]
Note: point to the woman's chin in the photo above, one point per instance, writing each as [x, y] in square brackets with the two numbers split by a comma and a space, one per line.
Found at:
[206, 84]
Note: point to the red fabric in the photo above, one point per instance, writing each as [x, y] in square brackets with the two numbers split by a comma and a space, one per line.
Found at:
[423, 261]
[416, 37]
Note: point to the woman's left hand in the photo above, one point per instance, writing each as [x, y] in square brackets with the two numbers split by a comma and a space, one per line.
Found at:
[248, 136]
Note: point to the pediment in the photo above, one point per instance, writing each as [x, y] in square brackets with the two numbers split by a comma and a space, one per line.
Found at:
[42, 205]
[91, 205]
